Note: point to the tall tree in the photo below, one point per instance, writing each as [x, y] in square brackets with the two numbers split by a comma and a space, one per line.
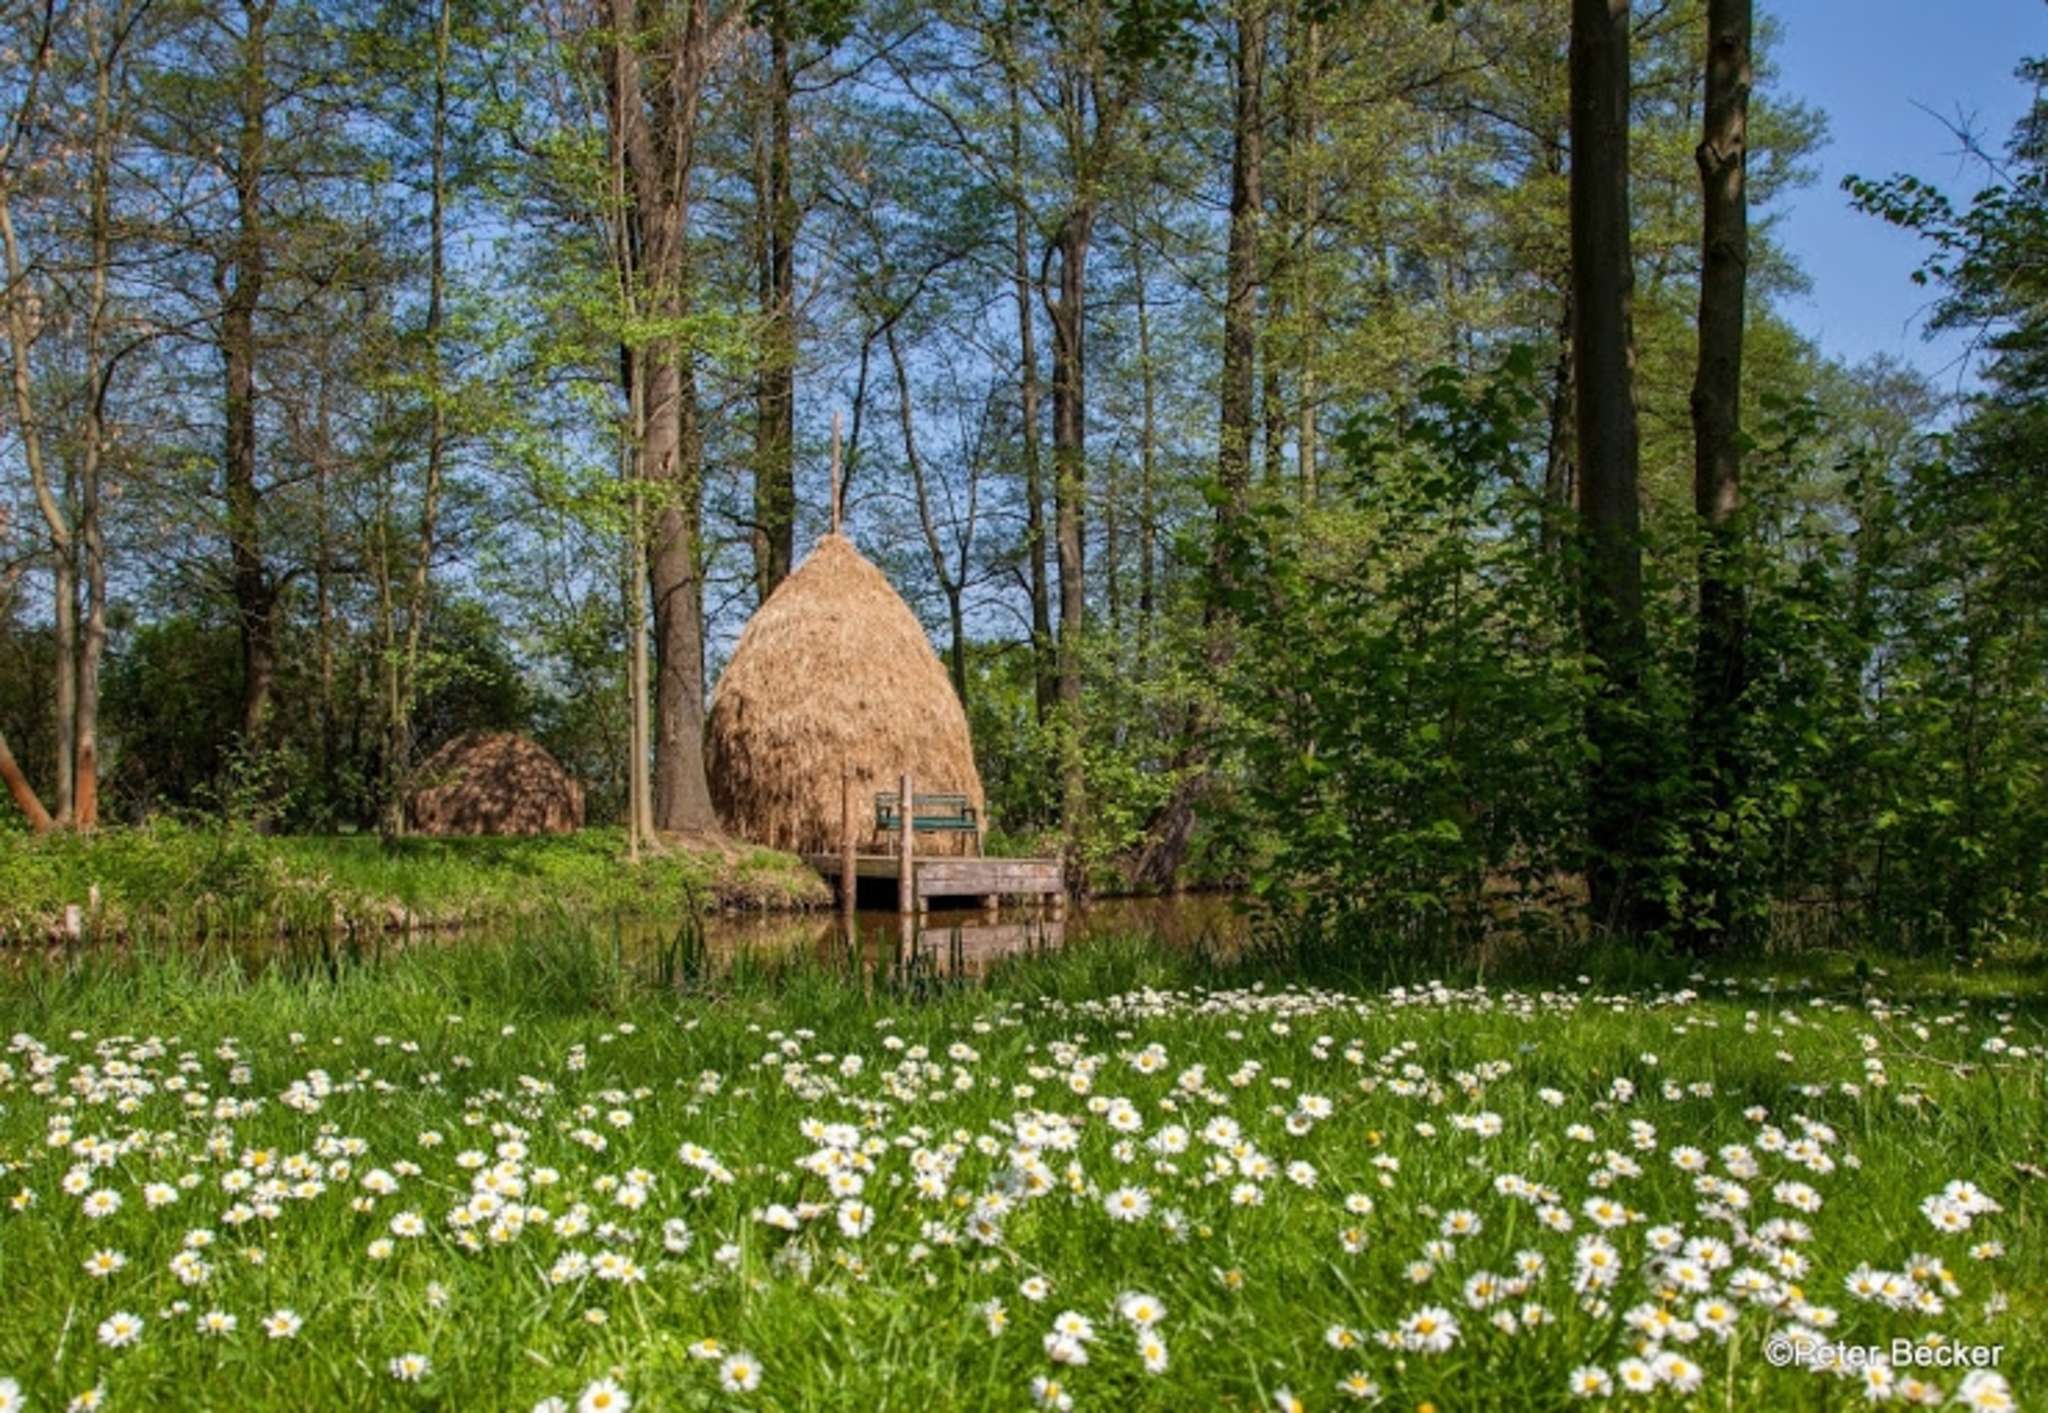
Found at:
[1099, 53]
[405, 602]
[1171, 830]
[239, 272]
[1603, 350]
[1148, 456]
[107, 36]
[660, 61]
[1045, 672]
[1718, 674]
[1241, 281]
[776, 220]
[23, 331]
[75, 277]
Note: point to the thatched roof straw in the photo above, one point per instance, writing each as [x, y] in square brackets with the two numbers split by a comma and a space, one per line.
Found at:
[494, 783]
[834, 670]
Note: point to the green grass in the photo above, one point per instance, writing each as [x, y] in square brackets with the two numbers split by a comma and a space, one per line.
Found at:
[168, 877]
[185, 1070]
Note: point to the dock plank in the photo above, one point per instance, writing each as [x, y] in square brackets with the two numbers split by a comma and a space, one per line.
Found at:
[946, 876]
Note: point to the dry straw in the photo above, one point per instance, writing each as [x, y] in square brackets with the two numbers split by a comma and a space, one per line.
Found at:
[494, 783]
[834, 670]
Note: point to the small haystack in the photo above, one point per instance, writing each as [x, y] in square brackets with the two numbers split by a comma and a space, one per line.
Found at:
[494, 783]
[834, 670]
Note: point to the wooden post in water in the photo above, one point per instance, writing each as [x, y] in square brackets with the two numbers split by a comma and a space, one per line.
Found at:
[849, 879]
[906, 865]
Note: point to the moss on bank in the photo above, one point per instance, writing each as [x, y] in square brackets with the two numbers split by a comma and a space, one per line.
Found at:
[169, 874]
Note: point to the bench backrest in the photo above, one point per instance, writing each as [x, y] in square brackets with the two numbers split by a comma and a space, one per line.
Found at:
[928, 813]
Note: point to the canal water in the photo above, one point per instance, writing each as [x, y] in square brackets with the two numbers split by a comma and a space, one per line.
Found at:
[969, 941]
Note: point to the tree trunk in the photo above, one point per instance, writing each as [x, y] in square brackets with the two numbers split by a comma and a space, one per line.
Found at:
[92, 439]
[1171, 831]
[1045, 676]
[633, 599]
[1148, 447]
[390, 804]
[1112, 561]
[1560, 481]
[1304, 70]
[682, 793]
[774, 533]
[24, 794]
[92, 647]
[951, 586]
[1240, 298]
[1070, 486]
[1603, 281]
[419, 597]
[323, 598]
[254, 597]
[657, 131]
[50, 499]
[1272, 263]
[66, 722]
[1718, 676]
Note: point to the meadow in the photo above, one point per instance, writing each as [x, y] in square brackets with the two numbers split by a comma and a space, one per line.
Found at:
[173, 877]
[528, 1174]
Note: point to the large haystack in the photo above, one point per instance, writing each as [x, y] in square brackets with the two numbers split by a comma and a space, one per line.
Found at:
[494, 783]
[834, 670]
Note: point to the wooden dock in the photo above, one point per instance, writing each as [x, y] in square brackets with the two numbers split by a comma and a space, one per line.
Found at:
[951, 876]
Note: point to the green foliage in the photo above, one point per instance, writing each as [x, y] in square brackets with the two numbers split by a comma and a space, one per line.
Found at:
[1404, 698]
[1957, 595]
[1013, 749]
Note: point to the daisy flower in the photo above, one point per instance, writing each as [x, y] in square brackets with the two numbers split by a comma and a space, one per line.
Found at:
[740, 1374]
[604, 1396]
[1982, 1388]
[1072, 1324]
[120, 1329]
[1636, 1375]
[1591, 1381]
[1432, 1330]
[1140, 1309]
[1357, 1385]
[1048, 1393]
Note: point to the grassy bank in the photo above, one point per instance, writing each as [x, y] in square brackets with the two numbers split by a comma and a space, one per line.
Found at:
[485, 1176]
[165, 875]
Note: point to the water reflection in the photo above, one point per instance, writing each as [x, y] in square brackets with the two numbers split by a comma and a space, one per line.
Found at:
[968, 942]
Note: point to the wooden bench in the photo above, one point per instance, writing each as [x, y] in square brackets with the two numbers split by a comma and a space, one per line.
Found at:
[929, 814]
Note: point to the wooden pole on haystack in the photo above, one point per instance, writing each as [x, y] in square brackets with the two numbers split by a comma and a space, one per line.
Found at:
[838, 493]
[906, 876]
[849, 881]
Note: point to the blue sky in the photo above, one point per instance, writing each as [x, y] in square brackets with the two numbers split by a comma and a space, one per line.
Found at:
[1875, 66]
